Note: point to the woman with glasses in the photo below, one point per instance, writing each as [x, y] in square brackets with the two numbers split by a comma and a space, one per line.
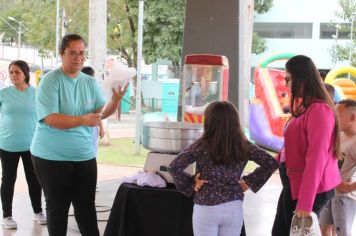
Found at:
[308, 161]
[69, 103]
[17, 126]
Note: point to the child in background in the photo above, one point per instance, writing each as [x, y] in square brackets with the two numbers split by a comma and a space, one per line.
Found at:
[331, 91]
[220, 154]
[98, 131]
[338, 215]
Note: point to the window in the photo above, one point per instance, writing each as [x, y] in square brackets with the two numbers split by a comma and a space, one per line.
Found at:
[335, 30]
[284, 30]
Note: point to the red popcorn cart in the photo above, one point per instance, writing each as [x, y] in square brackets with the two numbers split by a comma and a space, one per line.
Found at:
[205, 80]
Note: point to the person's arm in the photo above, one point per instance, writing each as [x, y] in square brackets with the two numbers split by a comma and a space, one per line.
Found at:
[319, 126]
[352, 187]
[62, 121]
[101, 130]
[267, 165]
[183, 181]
[114, 102]
[344, 187]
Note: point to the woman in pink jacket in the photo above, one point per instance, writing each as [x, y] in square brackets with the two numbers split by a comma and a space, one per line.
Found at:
[308, 161]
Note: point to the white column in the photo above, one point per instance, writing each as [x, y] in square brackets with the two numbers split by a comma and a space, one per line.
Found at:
[97, 37]
[57, 33]
[138, 82]
[246, 9]
[97, 45]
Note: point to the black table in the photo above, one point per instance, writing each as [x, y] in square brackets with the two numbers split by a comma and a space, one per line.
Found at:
[148, 211]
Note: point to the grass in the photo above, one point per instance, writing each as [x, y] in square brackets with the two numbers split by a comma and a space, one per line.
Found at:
[122, 152]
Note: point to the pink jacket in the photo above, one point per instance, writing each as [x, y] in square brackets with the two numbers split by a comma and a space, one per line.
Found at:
[311, 166]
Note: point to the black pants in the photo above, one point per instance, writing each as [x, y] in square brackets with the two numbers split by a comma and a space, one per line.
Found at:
[66, 182]
[286, 205]
[9, 164]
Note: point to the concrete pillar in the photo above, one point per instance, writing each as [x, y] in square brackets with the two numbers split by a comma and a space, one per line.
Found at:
[212, 27]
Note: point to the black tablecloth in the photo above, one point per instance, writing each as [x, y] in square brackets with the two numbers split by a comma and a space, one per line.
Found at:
[147, 211]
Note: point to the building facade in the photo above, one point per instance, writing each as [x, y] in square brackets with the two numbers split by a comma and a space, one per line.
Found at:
[308, 27]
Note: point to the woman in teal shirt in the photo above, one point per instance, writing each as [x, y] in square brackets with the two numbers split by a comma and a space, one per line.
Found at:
[17, 126]
[69, 103]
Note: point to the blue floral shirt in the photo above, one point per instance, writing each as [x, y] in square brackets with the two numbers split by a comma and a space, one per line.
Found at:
[223, 180]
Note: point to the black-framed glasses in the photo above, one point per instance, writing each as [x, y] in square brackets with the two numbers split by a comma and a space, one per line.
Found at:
[74, 54]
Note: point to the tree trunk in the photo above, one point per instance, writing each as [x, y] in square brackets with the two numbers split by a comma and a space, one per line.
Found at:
[98, 46]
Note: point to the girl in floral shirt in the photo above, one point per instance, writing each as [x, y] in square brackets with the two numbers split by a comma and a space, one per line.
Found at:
[220, 154]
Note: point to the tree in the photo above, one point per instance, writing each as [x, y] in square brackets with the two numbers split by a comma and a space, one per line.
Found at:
[41, 27]
[263, 6]
[164, 42]
[39, 16]
[163, 26]
[122, 29]
[259, 45]
[163, 29]
[338, 52]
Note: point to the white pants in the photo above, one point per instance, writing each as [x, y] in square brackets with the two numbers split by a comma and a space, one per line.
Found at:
[219, 220]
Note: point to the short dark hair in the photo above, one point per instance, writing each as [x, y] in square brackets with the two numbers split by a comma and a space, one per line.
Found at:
[88, 70]
[23, 67]
[348, 103]
[322, 75]
[330, 89]
[69, 38]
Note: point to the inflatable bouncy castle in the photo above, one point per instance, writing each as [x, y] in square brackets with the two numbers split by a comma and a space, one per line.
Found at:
[269, 108]
[344, 87]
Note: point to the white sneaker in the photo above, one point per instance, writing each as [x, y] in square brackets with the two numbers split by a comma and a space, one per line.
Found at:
[9, 223]
[40, 218]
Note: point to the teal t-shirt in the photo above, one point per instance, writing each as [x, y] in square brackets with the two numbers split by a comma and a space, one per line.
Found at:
[18, 118]
[58, 93]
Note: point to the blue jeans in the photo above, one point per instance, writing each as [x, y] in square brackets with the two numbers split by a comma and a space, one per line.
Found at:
[218, 220]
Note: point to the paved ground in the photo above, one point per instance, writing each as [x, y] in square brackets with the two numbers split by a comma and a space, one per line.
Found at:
[259, 208]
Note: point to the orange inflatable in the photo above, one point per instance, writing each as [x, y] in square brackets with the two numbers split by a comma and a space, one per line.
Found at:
[347, 86]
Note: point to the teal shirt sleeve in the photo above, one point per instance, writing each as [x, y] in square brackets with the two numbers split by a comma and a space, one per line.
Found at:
[47, 98]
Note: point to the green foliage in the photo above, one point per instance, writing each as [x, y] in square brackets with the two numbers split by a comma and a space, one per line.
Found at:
[348, 7]
[122, 29]
[163, 26]
[78, 17]
[10, 33]
[263, 6]
[163, 30]
[39, 16]
[41, 27]
[341, 53]
[338, 52]
[259, 45]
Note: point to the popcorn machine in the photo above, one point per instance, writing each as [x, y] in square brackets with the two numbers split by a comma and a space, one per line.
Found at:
[205, 79]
